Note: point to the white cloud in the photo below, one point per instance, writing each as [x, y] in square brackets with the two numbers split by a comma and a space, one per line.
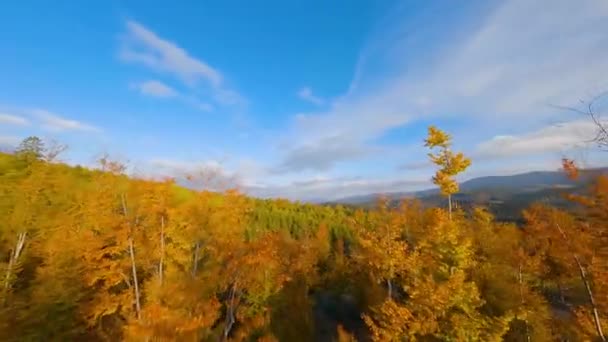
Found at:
[306, 94]
[416, 165]
[505, 68]
[158, 53]
[327, 189]
[555, 138]
[156, 89]
[209, 174]
[214, 175]
[56, 123]
[9, 141]
[145, 47]
[501, 72]
[180, 166]
[320, 140]
[525, 56]
[321, 155]
[9, 119]
[161, 90]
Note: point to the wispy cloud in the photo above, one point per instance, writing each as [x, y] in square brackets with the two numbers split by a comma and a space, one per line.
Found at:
[223, 172]
[9, 119]
[9, 141]
[416, 165]
[208, 174]
[184, 167]
[143, 46]
[156, 89]
[555, 138]
[344, 133]
[147, 48]
[525, 56]
[306, 94]
[326, 189]
[55, 123]
[504, 70]
[322, 155]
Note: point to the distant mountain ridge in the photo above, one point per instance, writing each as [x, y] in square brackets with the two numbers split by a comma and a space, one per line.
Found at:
[513, 184]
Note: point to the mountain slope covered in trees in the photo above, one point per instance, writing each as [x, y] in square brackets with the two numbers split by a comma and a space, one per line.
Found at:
[505, 196]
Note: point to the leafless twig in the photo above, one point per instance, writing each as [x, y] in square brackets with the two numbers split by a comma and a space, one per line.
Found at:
[601, 134]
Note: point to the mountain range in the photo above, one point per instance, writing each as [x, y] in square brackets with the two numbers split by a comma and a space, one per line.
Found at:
[506, 196]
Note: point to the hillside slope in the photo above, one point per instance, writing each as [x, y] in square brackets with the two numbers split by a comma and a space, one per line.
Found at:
[506, 195]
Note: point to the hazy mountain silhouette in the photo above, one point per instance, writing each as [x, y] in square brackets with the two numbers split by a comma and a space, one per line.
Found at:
[509, 193]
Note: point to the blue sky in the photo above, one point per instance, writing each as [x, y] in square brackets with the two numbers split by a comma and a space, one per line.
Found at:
[304, 99]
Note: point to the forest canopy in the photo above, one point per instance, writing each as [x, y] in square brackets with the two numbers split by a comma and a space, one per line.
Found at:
[96, 255]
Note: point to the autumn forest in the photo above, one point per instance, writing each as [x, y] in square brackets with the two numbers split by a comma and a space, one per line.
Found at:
[93, 254]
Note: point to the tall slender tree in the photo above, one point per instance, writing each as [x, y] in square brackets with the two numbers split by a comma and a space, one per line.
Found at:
[450, 163]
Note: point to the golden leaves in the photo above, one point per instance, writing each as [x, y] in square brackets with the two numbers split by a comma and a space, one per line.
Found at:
[446, 184]
[390, 322]
[450, 163]
[446, 279]
[437, 138]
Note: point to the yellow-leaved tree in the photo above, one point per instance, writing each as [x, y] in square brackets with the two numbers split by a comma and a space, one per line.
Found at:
[381, 248]
[434, 296]
[450, 163]
[573, 245]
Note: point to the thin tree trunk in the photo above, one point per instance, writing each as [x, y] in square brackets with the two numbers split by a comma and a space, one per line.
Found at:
[523, 302]
[14, 258]
[229, 314]
[562, 298]
[132, 256]
[162, 249]
[450, 206]
[390, 289]
[135, 283]
[195, 259]
[596, 316]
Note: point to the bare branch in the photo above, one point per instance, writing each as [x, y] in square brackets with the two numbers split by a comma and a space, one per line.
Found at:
[53, 150]
[601, 134]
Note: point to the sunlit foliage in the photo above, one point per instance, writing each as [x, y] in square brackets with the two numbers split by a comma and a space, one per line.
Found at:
[95, 255]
